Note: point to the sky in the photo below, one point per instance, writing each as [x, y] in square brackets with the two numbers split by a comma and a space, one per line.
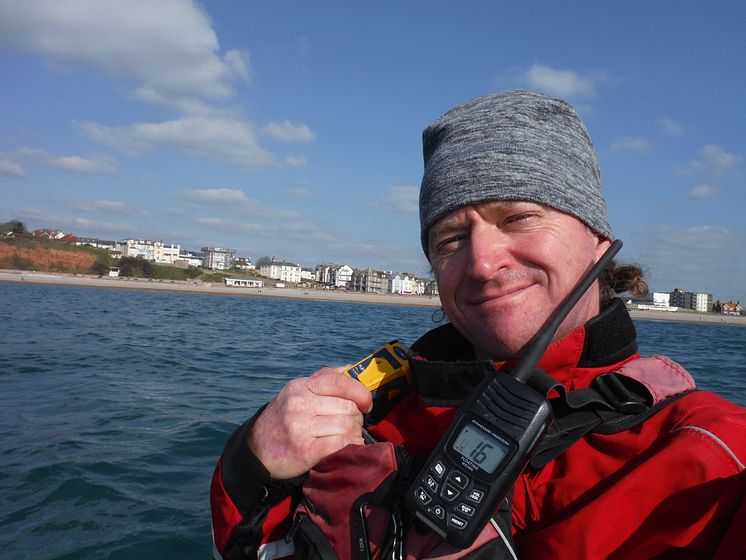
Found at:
[293, 129]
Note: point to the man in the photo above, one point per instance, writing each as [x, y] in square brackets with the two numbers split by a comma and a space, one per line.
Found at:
[512, 216]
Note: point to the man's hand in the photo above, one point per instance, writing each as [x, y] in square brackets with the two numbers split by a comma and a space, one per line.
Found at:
[311, 417]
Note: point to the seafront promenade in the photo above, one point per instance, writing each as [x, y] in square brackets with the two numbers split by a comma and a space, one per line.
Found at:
[214, 288]
[307, 294]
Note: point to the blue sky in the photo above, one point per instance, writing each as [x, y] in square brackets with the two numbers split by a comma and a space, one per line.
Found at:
[293, 128]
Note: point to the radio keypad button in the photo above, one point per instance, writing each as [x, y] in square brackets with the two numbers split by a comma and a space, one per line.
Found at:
[466, 509]
[431, 484]
[459, 479]
[423, 497]
[438, 511]
[439, 469]
[457, 522]
[449, 492]
[475, 496]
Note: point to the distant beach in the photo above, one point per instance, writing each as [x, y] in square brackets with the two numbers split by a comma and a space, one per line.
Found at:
[214, 288]
[310, 294]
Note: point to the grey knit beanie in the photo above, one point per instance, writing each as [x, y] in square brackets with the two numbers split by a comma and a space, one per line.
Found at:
[517, 145]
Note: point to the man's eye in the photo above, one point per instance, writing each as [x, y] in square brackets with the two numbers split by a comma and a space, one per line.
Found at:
[516, 218]
[450, 243]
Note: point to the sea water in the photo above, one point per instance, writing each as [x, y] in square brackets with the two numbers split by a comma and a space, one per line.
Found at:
[115, 405]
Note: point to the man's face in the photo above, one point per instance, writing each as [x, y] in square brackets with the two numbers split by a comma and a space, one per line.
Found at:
[503, 267]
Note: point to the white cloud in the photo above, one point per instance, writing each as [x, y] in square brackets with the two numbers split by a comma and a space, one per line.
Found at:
[703, 191]
[294, 161]
[96, 165]
[670, 127]
[389, 256]
[97, 227]
[166, 53]
[78, 164]
[294, 231]
[712, 160]
[214, 197]
[303, 231]
[168, 45]
[78, 226]
[217, 138]
[123, 139]
[233, 227]
[563, 83]
[238, 61]
[405, 199]
[236, 200]
[12, 168]
[105, 207]
[635, 144]
[288, 132]
[187, 105]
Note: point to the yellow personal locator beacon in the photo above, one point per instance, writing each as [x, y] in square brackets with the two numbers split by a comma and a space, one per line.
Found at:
[386, 373]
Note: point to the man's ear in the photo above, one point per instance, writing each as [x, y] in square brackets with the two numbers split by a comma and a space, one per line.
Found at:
[602, 244]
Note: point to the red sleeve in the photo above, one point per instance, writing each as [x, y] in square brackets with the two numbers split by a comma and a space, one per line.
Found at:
[225, 514]
[247, 506]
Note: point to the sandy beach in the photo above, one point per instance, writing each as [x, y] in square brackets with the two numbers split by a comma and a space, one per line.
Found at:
[214, 288]
[309, 294]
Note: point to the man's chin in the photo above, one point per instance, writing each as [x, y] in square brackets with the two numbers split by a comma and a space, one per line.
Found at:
[500, 349]
[505, 339]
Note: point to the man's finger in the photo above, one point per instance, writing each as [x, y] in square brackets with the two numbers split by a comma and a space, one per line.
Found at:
[325, 426]
[325, 446]
[333, 383]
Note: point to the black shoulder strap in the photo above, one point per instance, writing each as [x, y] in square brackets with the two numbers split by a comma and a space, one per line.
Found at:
[613, 403]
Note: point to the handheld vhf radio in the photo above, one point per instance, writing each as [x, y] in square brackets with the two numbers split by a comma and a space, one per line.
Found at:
[491, 439]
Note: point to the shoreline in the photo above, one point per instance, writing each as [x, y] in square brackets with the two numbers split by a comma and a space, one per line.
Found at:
[310, 294]
[143, 284]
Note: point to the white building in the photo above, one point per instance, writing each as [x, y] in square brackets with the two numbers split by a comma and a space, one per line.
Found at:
[283, 271]
[243, 263]
[341, 276]
[402, 283]
[368, 280]
[217, 258]
[166, 254]
[324, 273]
[153, 251]
[419, 287]
[244, 283]
[99, 243]
[49, 233]
[138, 248]
[703, 302]
[731, 308]
[660, 303]
[307, 274]
[192, 259]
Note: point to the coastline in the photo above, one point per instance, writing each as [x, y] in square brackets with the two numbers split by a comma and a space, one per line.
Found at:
[89, 281]
[81, 280]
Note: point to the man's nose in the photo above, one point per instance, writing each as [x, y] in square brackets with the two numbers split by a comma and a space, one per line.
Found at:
[488, 252]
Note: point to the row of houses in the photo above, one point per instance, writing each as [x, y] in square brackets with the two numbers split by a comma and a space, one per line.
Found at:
[336, 276]
[330, 275]
[678, 299]
[690, 300]
[698, 301]
[212, 258]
